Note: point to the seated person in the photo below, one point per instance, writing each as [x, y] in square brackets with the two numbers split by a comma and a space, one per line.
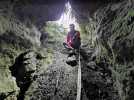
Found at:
[73, 40]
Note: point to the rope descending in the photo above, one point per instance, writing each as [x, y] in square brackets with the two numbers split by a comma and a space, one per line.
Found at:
[79, 80]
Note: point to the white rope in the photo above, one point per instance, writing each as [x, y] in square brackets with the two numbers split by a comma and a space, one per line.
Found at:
[79, 80]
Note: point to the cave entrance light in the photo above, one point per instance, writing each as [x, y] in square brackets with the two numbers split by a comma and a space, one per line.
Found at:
[67, 17]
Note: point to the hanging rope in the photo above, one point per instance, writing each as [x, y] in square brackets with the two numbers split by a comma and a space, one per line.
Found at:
[79, 80]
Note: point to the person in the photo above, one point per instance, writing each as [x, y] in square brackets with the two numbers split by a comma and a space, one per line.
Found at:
[73, 40]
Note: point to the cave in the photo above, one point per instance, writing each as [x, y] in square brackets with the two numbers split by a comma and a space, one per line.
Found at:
[38, 63]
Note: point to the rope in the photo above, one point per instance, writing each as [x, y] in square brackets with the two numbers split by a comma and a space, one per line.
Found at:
[79, 80]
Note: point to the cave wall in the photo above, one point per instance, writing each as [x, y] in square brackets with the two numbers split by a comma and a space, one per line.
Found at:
[83, 9]
[112, 28]
[19, 34]
[37, 12]
[115, 33]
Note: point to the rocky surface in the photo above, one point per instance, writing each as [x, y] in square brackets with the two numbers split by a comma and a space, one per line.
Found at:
[16, 39]
[39, 69]
[116, 35]
[58, 82]
[25, 69]
[111, 25]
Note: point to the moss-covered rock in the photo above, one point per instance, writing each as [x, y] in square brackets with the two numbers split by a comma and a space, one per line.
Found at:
[114, 30]
[16, 38]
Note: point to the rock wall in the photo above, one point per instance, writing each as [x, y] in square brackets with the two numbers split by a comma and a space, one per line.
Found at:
[16, 38]
[115, 33]
[112, 27]
[39, 11]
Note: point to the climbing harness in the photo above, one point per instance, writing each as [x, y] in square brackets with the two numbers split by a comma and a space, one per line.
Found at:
[79, 80]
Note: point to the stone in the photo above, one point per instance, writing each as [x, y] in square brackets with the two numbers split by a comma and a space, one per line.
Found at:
[71, 60]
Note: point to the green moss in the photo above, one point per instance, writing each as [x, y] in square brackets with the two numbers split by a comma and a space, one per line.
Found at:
[14, 39]
[131, 13]
[49, 57]
[122, 80]
[120, 25]
[87, 31]
[56, 32]
[7, 57]
[4, 23]
[7, 84]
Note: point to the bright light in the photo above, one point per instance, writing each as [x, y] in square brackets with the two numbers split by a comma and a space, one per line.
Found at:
[67, 17]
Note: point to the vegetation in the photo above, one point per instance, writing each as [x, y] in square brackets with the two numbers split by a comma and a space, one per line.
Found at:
[17, 38]
[56, 32]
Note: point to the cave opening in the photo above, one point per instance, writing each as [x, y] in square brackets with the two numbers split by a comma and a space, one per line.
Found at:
[58, 29]
[67, 17]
